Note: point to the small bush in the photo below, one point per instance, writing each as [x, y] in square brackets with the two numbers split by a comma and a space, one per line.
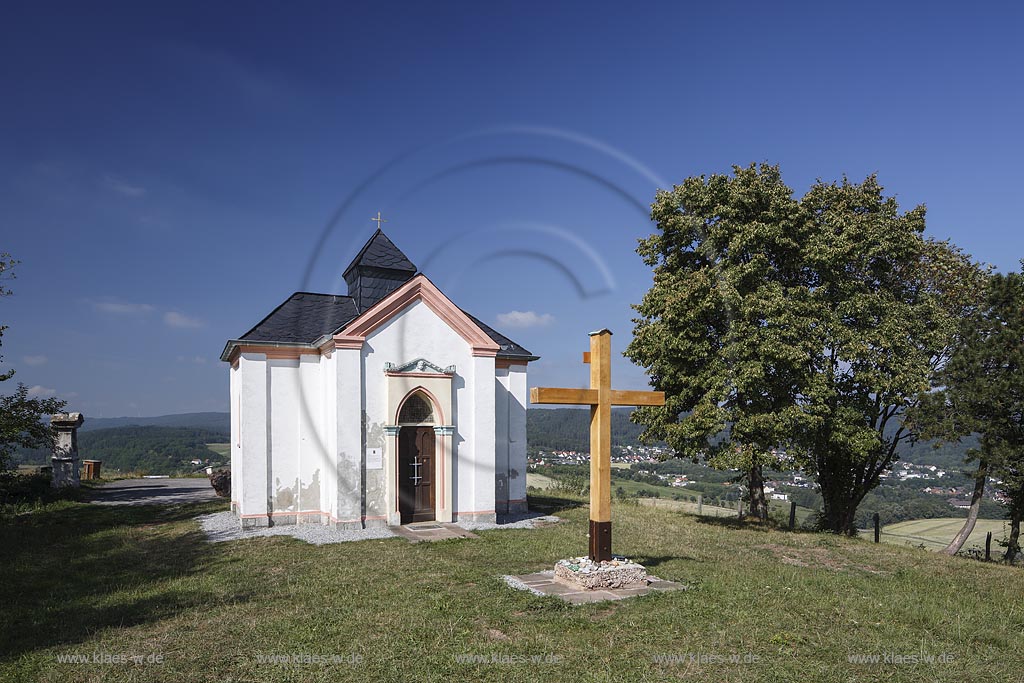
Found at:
[26, 492]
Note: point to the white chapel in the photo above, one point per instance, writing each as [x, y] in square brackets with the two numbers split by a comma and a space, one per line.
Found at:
[389, 405]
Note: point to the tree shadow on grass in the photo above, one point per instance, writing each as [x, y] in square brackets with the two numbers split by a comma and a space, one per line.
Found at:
[734, 523]
[72, 570]
[552, 504]
[653, 561]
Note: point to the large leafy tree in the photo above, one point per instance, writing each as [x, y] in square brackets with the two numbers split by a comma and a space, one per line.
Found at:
[803, 327]
[722, 331]
[886, 304]
[20, 415]
[983, 393]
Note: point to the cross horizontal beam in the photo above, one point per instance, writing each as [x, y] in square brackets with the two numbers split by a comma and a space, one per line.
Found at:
[589, 397]
[563, 396]
[637, 398]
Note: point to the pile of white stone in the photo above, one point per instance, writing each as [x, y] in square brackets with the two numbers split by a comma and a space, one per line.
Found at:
[586, 573]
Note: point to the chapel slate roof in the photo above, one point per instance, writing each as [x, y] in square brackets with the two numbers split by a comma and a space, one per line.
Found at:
[506, 347]
[381, 252]
[303, 318]
[369, 285]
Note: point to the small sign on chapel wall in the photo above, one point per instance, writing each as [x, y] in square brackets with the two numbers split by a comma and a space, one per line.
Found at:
[374, 458]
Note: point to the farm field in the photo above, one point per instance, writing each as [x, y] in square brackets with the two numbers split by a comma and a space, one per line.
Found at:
[221, 449]
[778, 508]
[935, 534]
[539, 481]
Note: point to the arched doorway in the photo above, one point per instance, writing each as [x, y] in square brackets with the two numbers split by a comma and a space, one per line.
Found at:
[416, 459]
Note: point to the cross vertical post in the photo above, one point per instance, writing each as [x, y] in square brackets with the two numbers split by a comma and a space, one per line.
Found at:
[600, 397]
[601, 446]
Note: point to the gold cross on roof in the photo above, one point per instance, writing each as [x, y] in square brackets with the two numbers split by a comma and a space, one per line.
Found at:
[379, 220]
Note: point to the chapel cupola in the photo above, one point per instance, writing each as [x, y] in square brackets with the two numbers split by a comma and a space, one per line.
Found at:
[377, 270]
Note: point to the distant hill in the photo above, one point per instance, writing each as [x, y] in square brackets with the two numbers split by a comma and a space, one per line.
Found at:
[948, 456]
[546, 428]
[569, 429]
[145, 449]
[216, 422]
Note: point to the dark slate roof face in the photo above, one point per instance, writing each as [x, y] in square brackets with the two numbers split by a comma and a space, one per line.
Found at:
[370, 285]
[506, 347]
[304, 317]
[380, 252]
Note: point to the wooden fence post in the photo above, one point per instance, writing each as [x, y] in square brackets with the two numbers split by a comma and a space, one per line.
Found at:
[700, 504]
[792, 515]
[988, 547]
[878, 529]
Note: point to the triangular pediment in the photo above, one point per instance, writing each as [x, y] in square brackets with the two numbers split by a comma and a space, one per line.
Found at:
[421, 366]
[419, 288]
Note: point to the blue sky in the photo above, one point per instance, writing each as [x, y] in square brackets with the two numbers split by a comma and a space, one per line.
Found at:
[169, 175]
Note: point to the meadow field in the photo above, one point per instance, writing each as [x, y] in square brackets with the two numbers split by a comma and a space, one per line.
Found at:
[86, 589]
[935, 534]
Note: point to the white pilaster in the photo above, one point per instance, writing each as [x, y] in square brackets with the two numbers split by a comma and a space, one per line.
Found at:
[517, 392]
[234, 389]
[349, 424]
[481, 458]
[501, 439]
[254, 497]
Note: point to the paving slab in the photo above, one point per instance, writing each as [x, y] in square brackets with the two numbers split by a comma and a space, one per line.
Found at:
[426, 532]
[545, 583]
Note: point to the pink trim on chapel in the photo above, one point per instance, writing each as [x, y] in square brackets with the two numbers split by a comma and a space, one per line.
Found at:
[419, 288]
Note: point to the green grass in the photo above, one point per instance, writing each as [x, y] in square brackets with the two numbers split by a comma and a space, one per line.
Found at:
[779, 510]
[221, 449]
[79, 578]
[935, 534]
[539, 481]
[687, 506]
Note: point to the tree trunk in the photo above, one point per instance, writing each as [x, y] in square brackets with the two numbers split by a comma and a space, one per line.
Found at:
[972, 515]
[838, 508]
[1013, 544]
[839, 515]
[758, 505]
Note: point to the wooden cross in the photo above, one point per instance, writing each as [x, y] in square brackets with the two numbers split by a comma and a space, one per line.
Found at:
[379, 220]
[600, 397]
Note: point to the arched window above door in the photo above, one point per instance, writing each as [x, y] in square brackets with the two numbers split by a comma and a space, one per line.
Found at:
[417, 409]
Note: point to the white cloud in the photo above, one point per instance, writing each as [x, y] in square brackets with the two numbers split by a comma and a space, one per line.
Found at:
[41, 392]
[121, 308]
[121, 187]
[34, 360]
[180, 320]
[525, 319]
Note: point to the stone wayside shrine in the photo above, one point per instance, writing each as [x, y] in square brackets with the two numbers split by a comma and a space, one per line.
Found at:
[386, 406]
[65, 451]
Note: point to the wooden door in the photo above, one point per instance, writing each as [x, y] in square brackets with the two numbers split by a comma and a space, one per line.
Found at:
[416, 474]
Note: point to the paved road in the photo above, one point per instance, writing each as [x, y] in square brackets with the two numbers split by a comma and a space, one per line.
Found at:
[154, 491]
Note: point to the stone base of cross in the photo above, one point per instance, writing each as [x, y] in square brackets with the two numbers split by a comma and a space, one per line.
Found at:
[600, 397]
